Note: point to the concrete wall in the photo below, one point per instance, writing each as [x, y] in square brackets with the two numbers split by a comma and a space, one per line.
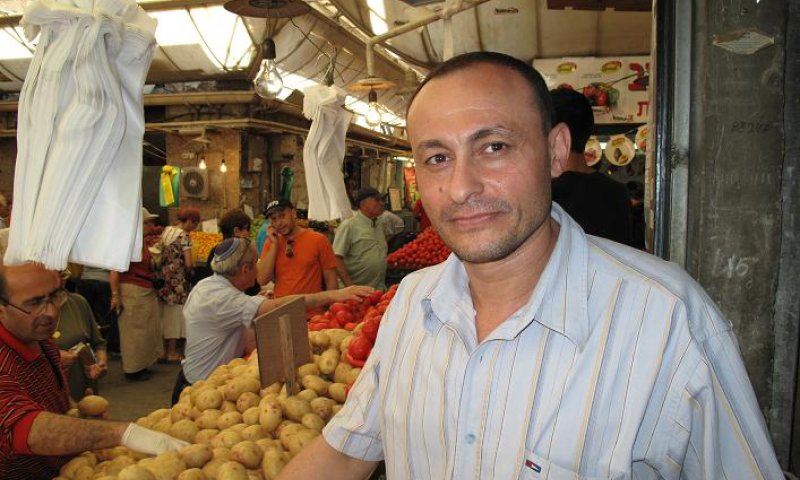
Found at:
[743, 193]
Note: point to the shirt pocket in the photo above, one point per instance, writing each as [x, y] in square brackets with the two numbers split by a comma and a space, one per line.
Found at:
[536, 467]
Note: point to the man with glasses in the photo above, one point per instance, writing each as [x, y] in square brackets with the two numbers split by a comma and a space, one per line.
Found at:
[36, 437]
[297, 259]
[219, 314]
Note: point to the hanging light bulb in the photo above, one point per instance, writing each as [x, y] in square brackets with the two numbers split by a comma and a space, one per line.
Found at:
[373, 114]
[222, 167]
[202, 164]
[268, 83]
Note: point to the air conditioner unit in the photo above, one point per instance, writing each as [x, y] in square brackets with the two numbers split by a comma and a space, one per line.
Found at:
[194, 183]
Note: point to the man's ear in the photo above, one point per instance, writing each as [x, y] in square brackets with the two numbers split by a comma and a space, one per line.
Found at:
[559, 142]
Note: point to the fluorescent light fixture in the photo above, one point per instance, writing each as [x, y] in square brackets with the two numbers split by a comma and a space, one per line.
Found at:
[377, 16]
[225, 40]
[13, 45]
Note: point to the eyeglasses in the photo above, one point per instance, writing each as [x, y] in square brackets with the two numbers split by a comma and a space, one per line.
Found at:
[290, 248]
[39, 305]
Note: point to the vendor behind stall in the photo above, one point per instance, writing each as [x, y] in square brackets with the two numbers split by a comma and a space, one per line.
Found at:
[218, 312]
[36, 438]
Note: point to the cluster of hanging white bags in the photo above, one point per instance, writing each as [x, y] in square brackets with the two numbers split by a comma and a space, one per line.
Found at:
[77, 185]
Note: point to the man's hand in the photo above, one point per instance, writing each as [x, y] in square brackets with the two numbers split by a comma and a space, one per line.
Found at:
[148, 441]
[68, 357]
[116, 304]
[272, 235]
[354, 292]
[96, 371]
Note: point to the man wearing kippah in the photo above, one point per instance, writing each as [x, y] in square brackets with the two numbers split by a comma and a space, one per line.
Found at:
[219, 314]
[360, 242]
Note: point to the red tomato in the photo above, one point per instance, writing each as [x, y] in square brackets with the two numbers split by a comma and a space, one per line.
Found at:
[350, 326]
[343, 317]
[375, 297]
[318, 319]
[370, 330]
[338, 307]
[315, 327]
[352, 304]
[360, 348]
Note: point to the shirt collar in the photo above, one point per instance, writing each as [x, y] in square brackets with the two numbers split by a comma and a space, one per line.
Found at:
[559, 301]
[25, 351]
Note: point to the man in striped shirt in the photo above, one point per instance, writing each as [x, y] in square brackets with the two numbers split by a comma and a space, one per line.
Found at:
[535, 351]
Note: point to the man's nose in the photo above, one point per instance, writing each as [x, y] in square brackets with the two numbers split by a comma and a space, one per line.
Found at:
[465, 180]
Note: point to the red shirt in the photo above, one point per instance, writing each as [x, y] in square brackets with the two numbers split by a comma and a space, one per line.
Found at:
[30, 383]
[139, 273]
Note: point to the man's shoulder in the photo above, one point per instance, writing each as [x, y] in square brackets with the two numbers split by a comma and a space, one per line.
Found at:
[663, 280]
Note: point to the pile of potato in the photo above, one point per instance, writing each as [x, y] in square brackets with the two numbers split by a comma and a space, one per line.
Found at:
[237, 430]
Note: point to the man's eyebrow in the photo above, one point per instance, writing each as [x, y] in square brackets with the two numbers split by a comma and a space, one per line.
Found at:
[433, 143]
[489, 131]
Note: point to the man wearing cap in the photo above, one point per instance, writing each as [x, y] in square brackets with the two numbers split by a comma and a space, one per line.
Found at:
[135, 301]
[36, 437]
[297, 259]
[219, 314]
[360, 242]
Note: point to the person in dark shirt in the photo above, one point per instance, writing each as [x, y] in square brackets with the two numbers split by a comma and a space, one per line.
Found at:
[600, 205]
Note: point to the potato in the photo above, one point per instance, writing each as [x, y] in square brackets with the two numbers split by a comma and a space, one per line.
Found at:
[181, 411]
[337, 392]
[273, 388]
[294, 408]
[211, 468]
[239, 385]
[288, 431]
[73, 412]
[323, 407]
[328, 361]
[93, 406]
[221, 453]
[307, 369]
[247, 453]
[205, 435]
[336, 409]
[231, 471]
[270, 397]
[319, 340]
[84, 472]
[239, 427]
[228, 406]
[208, 399]
[135, 472]
[272, 463]
[313, 421]
[239, 370]
[68, 469]
[192, 474]
[270, 415]
[236, 362]
[163, 425]
[352, 376]
[184, 430]
[103, 477]
[307, 394]
[337, 335]
[266, 443]
[208, 419]
[229, 438]
[195, 456]
[167, 466]
[250, 416]
[346, 343]
[229, 419]
[255, 475]
[247, 400]
[315, 383]
[253, 432]
[340, 374]
[300, 440]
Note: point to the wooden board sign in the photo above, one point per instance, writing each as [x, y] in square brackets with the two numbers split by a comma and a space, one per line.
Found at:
[282, 343]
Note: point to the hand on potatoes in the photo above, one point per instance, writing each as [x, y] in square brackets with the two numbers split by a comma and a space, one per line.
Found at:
[148, 441]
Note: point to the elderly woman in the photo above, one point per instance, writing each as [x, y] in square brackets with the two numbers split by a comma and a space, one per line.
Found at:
[134, 298]
[176, 270]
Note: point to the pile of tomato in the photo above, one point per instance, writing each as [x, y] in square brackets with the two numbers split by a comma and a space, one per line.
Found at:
[362, 317]
[425, 250]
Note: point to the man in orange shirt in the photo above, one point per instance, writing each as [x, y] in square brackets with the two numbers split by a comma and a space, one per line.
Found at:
[297, 259]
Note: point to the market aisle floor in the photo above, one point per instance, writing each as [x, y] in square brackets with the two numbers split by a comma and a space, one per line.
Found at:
[130, 400]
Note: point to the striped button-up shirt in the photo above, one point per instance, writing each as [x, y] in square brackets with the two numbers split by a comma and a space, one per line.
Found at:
[619, 366]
